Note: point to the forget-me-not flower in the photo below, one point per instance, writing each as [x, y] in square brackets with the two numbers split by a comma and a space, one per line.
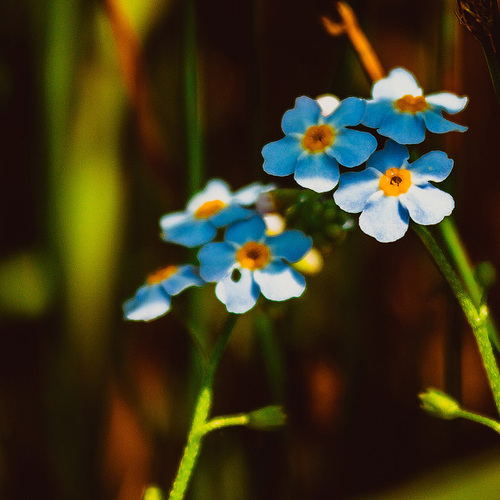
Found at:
[249, 262]
[208, 210]
[400, 111]
[317, 141]
[391, 190]
[152, 299]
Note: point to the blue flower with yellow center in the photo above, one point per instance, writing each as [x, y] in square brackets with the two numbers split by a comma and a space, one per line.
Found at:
[249, 262]
[400, 111]
[152, 299]
[208, 210]
[316, 142]
[391, 190]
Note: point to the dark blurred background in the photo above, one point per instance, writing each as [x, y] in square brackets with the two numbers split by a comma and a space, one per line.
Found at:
[94, 150]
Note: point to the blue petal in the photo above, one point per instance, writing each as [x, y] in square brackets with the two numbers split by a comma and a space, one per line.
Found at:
[249, 194]
[279, 281]
[185, 277]
[349, 113]
[305, 113]
[351, 147]
[398, 83]
[405, 128]
[427, 204]
[252, 229]
[435, 123]
[451, 103]
[230, 214]
[393, 155]
[375, 113]
[355, 189]
[434, 166]
[280, 157]
[150, 302]
[187, 231]
[238, 296]
[317, 171]
[290, 245]
[384, 218]
[216, 189]
[216, 260]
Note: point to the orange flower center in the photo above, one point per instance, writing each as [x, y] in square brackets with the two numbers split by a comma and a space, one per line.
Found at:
[209, 208]
[317, 138]
[395, 181]
[411, 104]
[253, 255]
[161, 274]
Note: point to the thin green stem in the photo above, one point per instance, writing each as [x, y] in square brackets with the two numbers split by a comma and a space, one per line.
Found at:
[489, 422]
[494, 68]
[225, 421]
[201, 412]
[477, 319]
[462, 264]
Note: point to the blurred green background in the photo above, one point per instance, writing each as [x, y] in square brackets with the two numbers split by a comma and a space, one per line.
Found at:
[97, 144]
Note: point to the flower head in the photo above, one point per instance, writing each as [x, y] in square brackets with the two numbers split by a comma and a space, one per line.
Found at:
[391, 190]
[212, 208]
[399, 110]
[249, 262]
[316, 141]
[152, 299]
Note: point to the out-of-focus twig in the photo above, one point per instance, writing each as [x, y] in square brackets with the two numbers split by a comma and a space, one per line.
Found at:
[349, 26]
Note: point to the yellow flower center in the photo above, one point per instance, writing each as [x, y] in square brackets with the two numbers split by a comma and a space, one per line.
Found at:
[317, 138]
[161, 274]
[411, 104]
[253, 255]
[209, 208]
[395, 181]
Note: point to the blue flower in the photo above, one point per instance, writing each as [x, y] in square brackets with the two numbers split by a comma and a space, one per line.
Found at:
[212, 208]
[399, 110]
[316, 142]
[249, 262]
[391, 190]
[152, 300]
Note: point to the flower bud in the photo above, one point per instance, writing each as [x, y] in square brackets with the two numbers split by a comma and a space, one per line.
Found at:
[152, 493]
[267, 418]
[439, 404]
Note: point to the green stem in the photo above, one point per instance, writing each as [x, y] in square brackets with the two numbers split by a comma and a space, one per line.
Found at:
[489, 422]
[494, 67]
[462, 264]
[225, 421]
[477, 319]
[201, 412]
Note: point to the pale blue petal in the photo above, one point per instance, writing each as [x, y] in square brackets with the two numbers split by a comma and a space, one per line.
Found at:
[393, 155]
[291, 245]
[451, 103]
[305, 113]
[230, 214]
[190, 232]
[216, 189]
[434, 166]
[317, 171]
[238, 296]
[427, 204]
[355, 188]
[253, 229]
[398, 83]
[384, 218]
[435, 123]
[375, 112]
[348, 113]
[280, 157]
[174, 219]
[185, 277]
[279, 281]
[352, 147]
[149, 302]
[216, 260]
[405, 128]
[249, 194]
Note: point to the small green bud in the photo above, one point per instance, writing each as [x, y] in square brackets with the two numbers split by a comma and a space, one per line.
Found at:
[439, 404]
[267, 418]
[152, 493]
[485, 274]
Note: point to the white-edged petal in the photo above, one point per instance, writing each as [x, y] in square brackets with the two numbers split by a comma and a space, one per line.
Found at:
[149, 302]
[356, 188]
[451, 103]
[279, 281]
[216, 189]
[328, 103]
[239, 296]
[427, 204]
[398, 83]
